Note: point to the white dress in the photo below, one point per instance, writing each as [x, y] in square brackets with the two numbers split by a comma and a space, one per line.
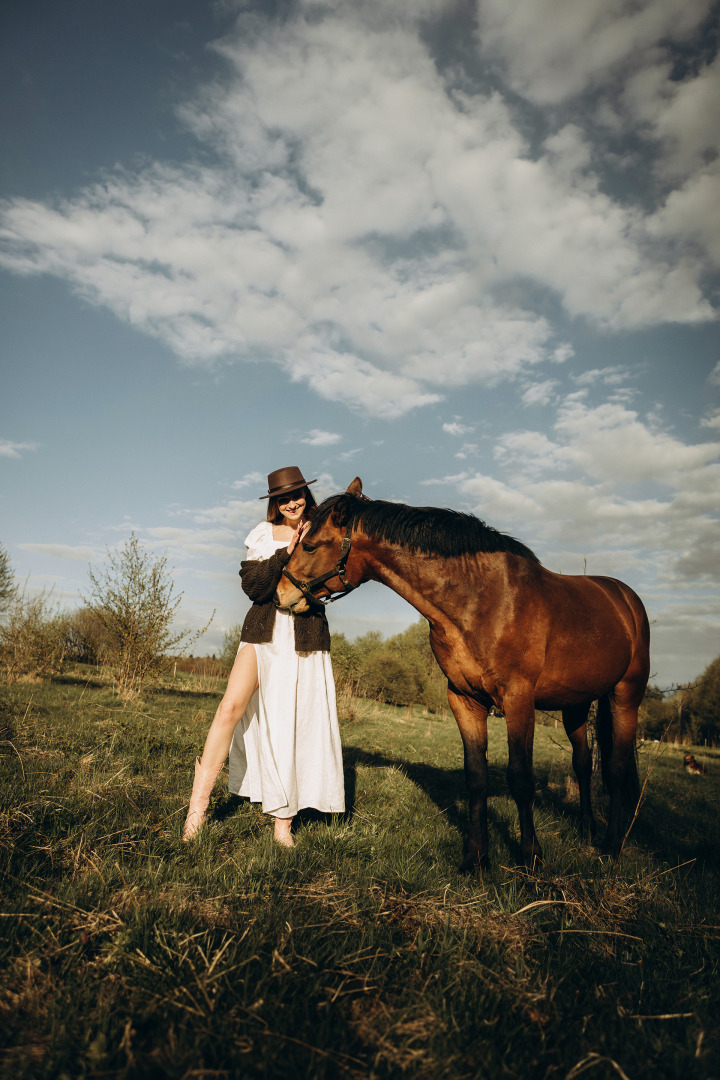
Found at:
[286, 751]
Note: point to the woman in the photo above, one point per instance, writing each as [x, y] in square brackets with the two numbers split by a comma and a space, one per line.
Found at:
[278, 717]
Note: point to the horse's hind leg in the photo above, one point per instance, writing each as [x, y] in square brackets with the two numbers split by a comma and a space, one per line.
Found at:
[616, 729]
[575, 724]
[471, 719]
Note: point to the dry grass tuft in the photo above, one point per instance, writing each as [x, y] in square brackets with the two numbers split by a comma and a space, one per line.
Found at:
[433, 912]
[396, 1035]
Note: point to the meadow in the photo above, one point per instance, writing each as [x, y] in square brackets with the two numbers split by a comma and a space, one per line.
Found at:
[362, 952]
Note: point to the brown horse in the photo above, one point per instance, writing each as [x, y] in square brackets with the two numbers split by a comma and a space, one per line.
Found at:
[506, 632]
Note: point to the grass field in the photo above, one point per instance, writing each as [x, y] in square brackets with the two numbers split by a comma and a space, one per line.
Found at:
[361, 952]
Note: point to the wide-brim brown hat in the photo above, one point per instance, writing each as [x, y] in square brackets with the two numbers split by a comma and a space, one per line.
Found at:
[288, 479]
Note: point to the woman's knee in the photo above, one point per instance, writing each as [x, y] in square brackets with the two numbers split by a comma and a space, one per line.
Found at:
[229, 712]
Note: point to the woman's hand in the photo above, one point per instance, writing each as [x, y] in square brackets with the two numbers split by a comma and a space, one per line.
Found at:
[297, 536]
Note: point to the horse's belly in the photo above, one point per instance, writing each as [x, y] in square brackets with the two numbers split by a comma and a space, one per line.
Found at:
[570, 677]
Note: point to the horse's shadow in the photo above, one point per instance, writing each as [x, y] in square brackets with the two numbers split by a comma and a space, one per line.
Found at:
[445, 787]
[648, 831]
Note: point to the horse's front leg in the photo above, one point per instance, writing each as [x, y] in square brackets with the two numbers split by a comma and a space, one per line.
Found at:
[519, 708]
[471, 719]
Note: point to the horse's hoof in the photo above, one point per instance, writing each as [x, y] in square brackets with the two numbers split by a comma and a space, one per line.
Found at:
[588, 829]
[611, 846]
[473, 862]
[533, 861]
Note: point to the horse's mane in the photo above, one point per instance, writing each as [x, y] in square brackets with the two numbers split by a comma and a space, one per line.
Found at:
[427, 529]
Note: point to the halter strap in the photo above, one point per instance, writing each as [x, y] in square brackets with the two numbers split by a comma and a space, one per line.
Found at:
[338, 571]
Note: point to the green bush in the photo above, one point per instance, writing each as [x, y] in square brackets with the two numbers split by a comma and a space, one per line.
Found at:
[400, 670]
[7, 580]
[705, 705]
[87, 637]
[33, 637]
[133, 598]
[230, 646]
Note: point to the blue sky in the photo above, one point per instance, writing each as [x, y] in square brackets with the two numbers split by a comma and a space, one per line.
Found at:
[468, 251]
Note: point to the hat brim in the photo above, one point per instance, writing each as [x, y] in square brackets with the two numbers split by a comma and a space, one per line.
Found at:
[287, 487]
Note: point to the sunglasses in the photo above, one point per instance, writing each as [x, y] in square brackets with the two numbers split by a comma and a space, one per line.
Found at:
[292, 496]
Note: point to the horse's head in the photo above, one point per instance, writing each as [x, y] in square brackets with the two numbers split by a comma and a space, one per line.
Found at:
[318, 567]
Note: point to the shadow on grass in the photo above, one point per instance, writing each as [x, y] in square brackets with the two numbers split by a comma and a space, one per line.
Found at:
[677, 840]
[445, 787]
[92, 682]
[674, 838]
[181, 692]
[676, 843]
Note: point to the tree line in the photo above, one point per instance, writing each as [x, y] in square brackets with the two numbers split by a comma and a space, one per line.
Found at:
[399, 670]
[125, 625]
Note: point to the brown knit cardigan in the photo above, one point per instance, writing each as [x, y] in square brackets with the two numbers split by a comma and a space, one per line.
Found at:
[259, 579]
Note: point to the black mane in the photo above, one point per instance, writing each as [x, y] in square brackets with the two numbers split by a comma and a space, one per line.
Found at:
[427, 529]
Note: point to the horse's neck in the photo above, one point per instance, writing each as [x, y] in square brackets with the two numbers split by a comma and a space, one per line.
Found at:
[426, 581]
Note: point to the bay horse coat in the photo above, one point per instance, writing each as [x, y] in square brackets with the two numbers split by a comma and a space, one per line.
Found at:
[506, 632]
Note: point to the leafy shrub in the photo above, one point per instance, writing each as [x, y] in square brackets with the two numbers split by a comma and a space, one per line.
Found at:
[230, 646]
[400, 670]
[132, 597]
[705, 705]
[87, 636]
[33, 637]
[7, 580]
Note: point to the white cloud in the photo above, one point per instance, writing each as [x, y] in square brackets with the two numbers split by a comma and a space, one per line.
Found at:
[456, 428]
[317, 437]
[540, 393]
[468, 450]
[610, 442]
[68, 552]
[530, 450]
[233, 514]
[608, 375]
[552, 50]
[684, 116]
[252, 479]
[713, 420]
[591, 486]
[11, 449]
[368, 226]
[680, 634]
[692, 213]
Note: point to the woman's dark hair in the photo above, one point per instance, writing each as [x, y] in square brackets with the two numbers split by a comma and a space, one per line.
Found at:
[273, 510]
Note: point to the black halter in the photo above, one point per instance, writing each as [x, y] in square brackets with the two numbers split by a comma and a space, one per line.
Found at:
[338, 571]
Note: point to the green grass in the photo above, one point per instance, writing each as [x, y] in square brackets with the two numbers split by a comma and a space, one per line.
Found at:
[361, 952]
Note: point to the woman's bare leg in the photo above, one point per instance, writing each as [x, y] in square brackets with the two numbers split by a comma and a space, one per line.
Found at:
[241, 686]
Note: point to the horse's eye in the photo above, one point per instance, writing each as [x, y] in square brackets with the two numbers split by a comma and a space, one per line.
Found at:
[310, 548]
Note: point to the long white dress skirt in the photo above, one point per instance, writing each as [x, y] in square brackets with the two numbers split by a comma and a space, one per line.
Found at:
[286, 751]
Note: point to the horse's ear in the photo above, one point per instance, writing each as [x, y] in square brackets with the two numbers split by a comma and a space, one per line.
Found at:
[356, 487]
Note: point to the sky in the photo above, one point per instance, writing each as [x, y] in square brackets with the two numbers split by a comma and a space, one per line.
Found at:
[468, 251]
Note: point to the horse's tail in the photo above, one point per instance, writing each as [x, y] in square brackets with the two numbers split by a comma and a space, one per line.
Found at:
[603, 734]
[629, 781]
